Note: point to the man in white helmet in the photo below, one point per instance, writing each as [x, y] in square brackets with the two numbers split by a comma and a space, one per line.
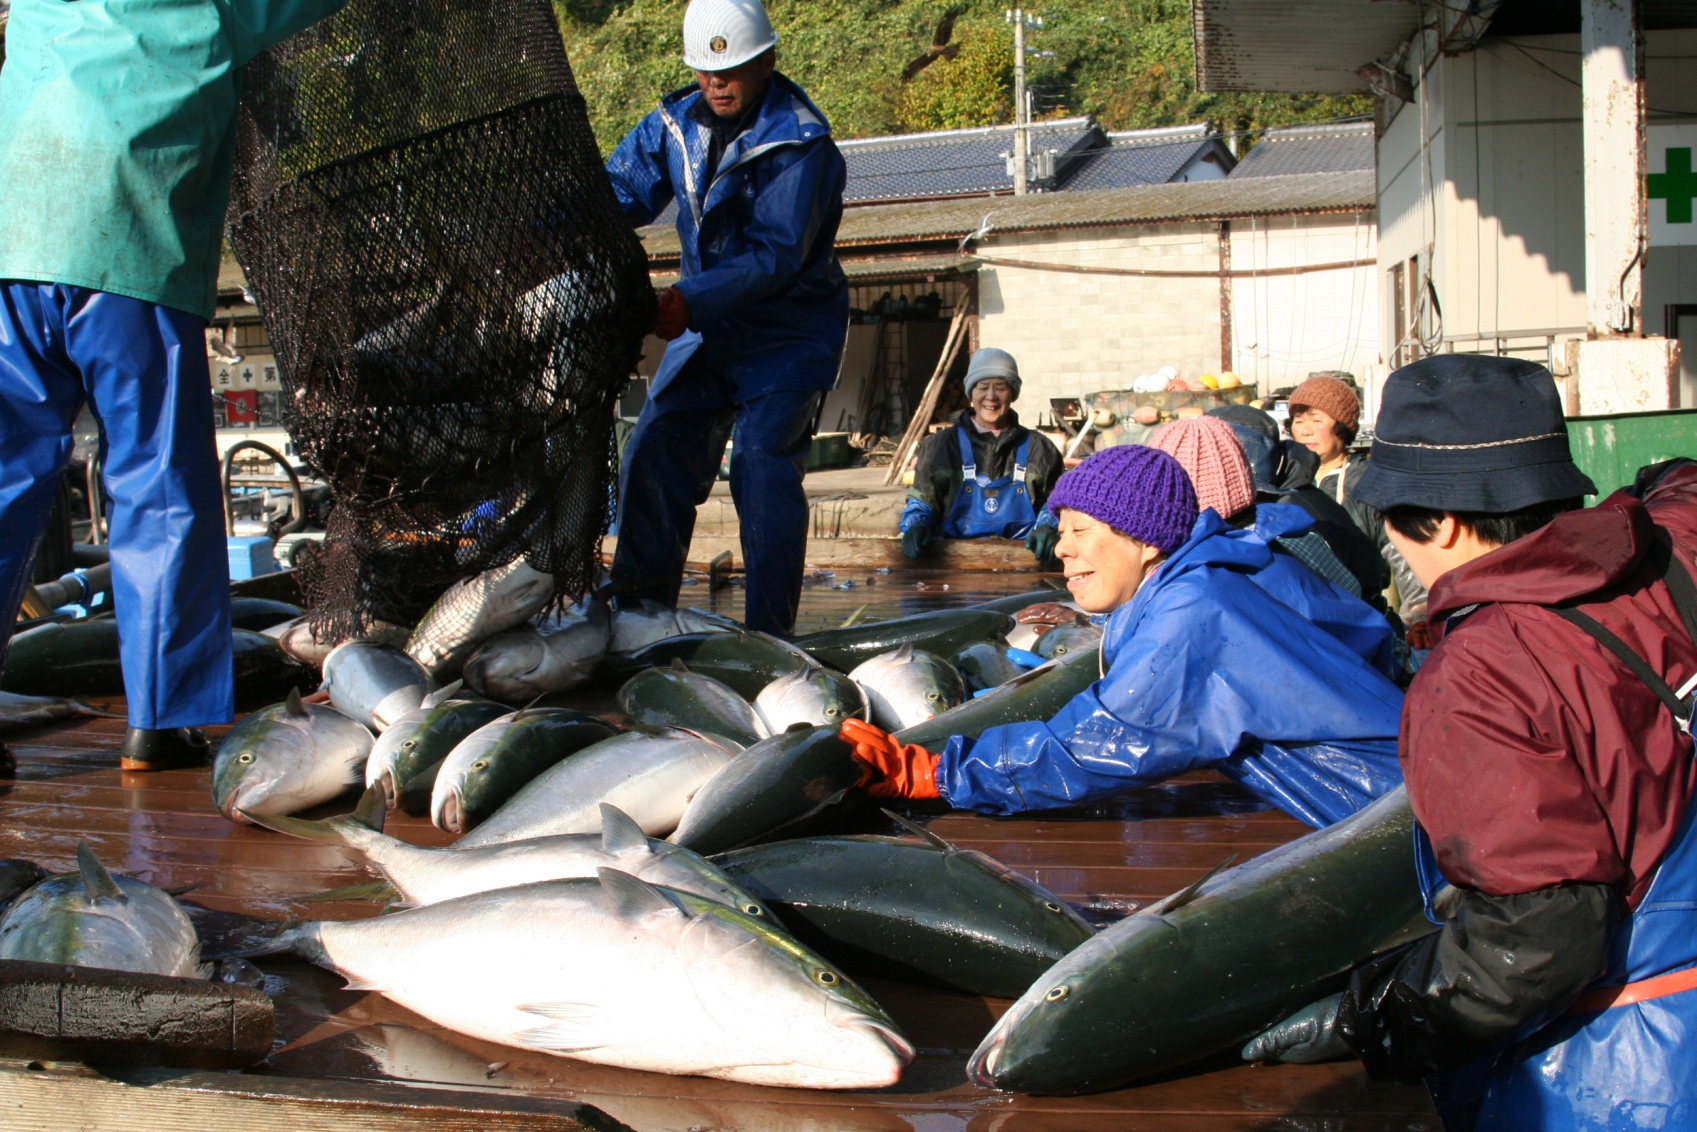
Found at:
[757, 322]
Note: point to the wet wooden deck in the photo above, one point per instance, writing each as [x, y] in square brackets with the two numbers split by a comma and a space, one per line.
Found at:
[343, 1057]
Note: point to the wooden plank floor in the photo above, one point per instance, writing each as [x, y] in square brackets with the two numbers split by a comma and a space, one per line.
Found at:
[164, 828]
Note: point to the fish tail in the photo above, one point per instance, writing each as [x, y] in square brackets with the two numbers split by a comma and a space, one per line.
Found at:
[254, 937]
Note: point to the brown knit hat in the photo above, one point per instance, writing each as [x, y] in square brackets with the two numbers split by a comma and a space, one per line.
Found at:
[1331, 396]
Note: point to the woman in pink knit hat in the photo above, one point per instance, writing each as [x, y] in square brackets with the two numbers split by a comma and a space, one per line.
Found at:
[1304, 574]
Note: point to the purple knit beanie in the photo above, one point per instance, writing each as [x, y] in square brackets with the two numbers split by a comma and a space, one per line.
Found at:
[1139, 491]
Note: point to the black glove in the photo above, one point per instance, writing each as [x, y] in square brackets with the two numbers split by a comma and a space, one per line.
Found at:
[1499, 969]
[1308, 1036]
[916, 539]
[1042, 542]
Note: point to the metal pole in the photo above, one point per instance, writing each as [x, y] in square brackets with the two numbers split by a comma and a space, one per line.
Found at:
[1615, 214]
[1021, 152]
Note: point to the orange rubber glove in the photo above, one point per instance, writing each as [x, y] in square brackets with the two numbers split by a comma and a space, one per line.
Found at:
[893, 770]
[672, 319]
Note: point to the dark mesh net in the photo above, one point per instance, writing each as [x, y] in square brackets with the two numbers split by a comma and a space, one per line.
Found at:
[453, 294]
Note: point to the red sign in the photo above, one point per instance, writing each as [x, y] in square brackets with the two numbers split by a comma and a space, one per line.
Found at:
[242, 407]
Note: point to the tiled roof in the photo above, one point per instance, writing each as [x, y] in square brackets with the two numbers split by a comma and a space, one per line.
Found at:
[1146, 157]
[921, 221]
[956, 162]
[1337, 148]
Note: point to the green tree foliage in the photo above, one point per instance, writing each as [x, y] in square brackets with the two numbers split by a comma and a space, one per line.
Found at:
[1128, 62]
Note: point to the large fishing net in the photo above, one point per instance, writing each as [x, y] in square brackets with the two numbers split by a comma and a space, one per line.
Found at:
[452, 292]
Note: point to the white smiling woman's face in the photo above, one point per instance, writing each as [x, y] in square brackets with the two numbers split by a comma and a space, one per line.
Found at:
[1103, 567]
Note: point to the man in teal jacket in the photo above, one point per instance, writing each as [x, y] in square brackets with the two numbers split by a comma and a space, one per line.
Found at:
[117, 136]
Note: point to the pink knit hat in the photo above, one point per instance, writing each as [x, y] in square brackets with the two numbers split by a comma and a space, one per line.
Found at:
[1211, 454]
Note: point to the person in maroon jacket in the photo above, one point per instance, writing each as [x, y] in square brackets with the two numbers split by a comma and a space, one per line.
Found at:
[1547, 750]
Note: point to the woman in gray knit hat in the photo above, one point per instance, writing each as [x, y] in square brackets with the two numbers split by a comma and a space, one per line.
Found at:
[987, 476]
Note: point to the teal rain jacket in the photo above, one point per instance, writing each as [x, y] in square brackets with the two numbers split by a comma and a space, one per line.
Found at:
[1204, 669]
[117, 136]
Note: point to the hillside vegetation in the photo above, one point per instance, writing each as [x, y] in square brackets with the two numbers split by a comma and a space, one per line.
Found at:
[1128, 62]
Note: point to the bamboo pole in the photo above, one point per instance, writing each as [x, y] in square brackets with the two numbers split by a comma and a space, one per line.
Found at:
[933, 390]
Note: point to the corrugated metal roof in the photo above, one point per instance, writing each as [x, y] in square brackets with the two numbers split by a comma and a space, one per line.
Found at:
[1144, 157]
[1300, 46]
[921, 221]
[955, 162]
[1337, 148]
[871, 270]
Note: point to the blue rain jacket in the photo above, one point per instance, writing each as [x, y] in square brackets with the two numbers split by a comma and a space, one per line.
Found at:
[1204, 669]
[1358, 625]
[768, 301]
[117, 136]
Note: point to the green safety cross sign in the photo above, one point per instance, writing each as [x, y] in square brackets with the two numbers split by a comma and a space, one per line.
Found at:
[1671, 185]
[1678, 186]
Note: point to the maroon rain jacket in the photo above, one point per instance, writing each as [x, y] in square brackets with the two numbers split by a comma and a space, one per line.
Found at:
[1533, 755]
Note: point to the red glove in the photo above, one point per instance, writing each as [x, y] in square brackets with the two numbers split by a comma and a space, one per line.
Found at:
[672, 319]
[901, 770]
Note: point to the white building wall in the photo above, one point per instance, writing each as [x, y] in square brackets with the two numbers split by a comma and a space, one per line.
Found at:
[1075, 334]
[1285, 327]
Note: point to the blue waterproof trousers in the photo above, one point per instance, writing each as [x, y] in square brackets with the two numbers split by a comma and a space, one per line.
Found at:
[142, 368]
[670, 463]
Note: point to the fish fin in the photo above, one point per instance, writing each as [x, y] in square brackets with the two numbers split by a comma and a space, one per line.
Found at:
[88, 709]
[562, 1011]
[293, 705]
[532, 704]
[631, 899]
[363, 985]
[334, 830]
[442, 695]
[619, 833]
[853, 617]
[372, 809]
[95, 879]
[570, 1029]
[904, 653]
[558, 1038]
[370, 890]
[1189, 892]
[179, 890]
[920, 832]
[679, 666]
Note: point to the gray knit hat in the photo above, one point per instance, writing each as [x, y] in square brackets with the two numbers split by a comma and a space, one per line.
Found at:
[991, 362]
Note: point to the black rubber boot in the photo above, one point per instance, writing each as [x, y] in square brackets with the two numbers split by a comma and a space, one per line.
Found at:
[170, 749]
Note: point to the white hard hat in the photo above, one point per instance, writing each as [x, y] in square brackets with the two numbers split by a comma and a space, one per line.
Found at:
[721, 34]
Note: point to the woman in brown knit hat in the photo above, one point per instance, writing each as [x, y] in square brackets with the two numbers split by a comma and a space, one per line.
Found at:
[1325, 414]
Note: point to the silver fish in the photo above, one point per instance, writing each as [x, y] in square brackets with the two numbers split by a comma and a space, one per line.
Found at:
[380, 765]
[288, 758]
[985, 664]
[429, 876]
[677, 697]
[553, 655]
[906, 686]
[819, 697]
[635, 629]
[619, 972]
[649, 774]
[91, 918]
[1064, 639]
[374, 684]
[472, 611]
[299, 642]
[27, 711]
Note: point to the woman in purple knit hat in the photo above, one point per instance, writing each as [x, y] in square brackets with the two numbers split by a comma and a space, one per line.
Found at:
[1200, 669]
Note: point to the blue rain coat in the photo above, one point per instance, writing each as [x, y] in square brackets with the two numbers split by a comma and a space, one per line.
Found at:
[768, 301]
[117, 136]
[1358, 625]
[1204, 668]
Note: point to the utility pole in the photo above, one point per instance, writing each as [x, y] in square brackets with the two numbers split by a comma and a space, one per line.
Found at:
[1615, 217]
[1021, 101]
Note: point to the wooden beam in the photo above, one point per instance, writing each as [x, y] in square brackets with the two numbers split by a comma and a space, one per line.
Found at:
[933, 390]
[65, 1097]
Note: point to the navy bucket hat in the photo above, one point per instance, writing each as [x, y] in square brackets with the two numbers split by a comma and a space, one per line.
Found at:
[1466, 432]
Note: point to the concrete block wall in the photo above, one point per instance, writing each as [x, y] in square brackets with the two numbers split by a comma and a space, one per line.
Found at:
[1076, 334]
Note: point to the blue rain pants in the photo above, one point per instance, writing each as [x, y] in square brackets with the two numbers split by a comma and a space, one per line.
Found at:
[669, 467]
[142, 368]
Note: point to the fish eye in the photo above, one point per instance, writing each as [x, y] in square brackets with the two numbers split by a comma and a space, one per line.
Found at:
[827, 978]
[480, 764]
[1051, 906]
[409, 744]
[832, 711]
[753, 909]
[1058, 993]
[246, 758]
